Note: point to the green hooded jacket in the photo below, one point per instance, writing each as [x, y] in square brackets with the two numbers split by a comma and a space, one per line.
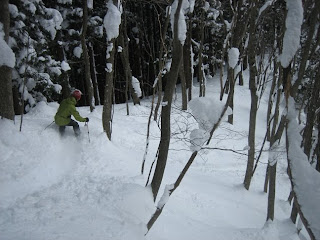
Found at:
[65, 110]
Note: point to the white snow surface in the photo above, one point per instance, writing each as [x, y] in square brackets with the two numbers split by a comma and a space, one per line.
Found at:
[291, 39]
[68, 188]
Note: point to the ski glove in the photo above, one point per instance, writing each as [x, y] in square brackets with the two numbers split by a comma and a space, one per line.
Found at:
[87, 119]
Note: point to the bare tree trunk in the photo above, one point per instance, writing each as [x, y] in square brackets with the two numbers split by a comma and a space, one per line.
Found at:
[86, 60]
[307, 47]
[231, 83]
[254, 97]
[183, 87]
[272, 191]
[201, 79]
[161, 64]
[276, 136]
[6, 96]
[187, 166]
[94, 76]
[166, 108]
[187, 63]
[311, 116]
[108, 91]
[239, 28]
[123, 38]
[271, 99]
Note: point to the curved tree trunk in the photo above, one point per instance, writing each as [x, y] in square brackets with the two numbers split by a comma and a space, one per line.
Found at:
[166, 108]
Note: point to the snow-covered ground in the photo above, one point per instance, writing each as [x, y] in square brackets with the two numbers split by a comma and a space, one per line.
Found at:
[69, 189]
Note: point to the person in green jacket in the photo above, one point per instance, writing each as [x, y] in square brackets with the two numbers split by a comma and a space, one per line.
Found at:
[67, 109]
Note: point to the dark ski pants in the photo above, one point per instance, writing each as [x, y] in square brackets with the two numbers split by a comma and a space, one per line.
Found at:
[73, 124]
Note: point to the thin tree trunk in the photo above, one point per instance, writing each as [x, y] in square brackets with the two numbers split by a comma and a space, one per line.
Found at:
[125, 61]
[183, 87]
[307, 47]
[187, 63]
[231, 83]
[176, 185]
[276, 135]
[311, 116]
[201, 80]
[161, 64]
[86, 60]
[94, 76]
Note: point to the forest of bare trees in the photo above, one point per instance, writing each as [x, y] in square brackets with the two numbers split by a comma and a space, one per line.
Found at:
[102, 47]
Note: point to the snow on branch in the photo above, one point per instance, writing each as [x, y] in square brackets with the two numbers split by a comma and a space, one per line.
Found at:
[182, 25]
[233, 57]
[112, 20]
[305, 179]
[7, 57]
[291, 39]
[207, 112]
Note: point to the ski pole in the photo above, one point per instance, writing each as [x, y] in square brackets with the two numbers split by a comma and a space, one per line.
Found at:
[86, 124]
[47, 127]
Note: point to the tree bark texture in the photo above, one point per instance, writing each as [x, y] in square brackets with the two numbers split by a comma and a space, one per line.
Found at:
[254, 97]
[123, 39]
[311, 116]
[6, 96]
[94, 76]
[306, 49]
[108, 92]
[161, 64]
[201, 79]
[187, 63]
[183, 87]
[86, 60]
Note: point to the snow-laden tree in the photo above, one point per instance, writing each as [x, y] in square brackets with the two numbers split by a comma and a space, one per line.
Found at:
[36, 72]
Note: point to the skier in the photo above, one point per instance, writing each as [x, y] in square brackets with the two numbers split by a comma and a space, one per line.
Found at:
[65, 110]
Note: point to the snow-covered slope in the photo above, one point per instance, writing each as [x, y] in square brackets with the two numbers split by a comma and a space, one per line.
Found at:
[70, 189]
